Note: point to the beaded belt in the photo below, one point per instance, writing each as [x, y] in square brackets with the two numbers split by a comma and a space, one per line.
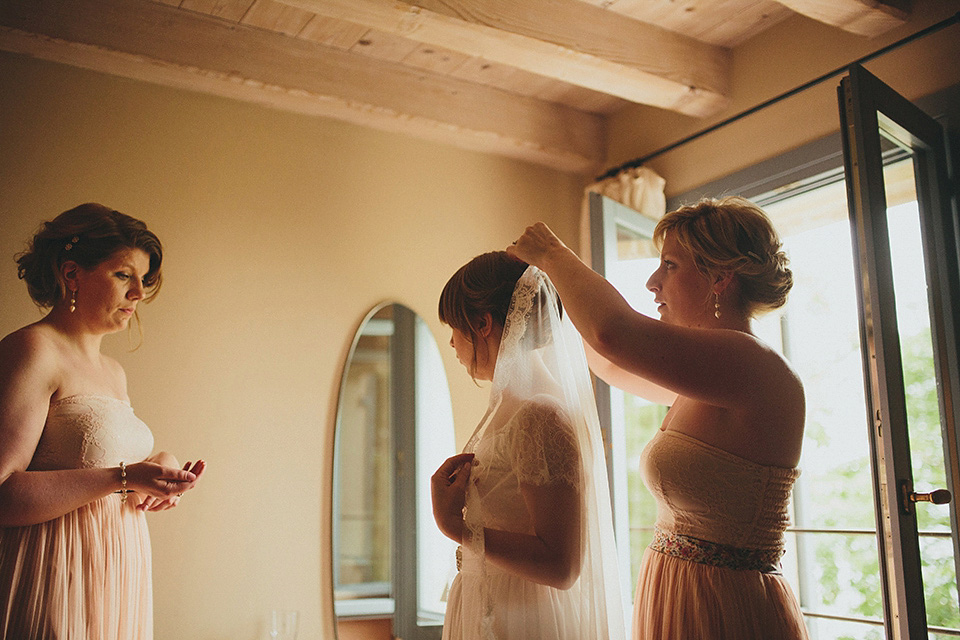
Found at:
[714, 553]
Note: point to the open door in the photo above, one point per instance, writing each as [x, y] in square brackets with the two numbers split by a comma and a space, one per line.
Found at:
[899, 251]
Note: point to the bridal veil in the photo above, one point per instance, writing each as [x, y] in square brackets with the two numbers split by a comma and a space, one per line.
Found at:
[541, 365]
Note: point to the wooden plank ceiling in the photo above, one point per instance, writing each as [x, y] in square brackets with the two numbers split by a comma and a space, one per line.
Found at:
[529, 79]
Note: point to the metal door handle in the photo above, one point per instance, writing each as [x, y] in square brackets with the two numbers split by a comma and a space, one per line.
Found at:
[940, 496]
[909, 498]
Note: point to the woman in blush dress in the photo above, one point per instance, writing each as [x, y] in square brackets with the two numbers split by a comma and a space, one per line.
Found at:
[527, 500]
[76, 471]
[723, 463]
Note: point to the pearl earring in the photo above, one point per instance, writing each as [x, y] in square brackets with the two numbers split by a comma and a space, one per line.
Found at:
[73, 301]
[716, 304]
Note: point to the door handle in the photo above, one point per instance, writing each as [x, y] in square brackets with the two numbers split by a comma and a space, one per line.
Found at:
[909, 498]
[940, 496]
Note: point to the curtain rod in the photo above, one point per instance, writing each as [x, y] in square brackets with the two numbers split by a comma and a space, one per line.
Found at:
[955, 18]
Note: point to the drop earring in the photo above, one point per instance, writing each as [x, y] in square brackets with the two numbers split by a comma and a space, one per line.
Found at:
[716, 304]
[73, 301]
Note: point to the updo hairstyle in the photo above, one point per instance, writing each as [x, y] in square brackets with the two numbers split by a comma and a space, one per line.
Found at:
[87, 234]
[483, 285]
[733, 235]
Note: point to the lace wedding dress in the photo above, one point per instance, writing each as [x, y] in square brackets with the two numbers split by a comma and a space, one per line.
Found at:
[87, 574]
[540, 428]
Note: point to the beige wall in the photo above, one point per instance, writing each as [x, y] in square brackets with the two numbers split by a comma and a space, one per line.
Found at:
[280, 232]
[786, 56]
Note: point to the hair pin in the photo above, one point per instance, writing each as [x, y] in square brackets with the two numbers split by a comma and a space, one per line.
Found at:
[70, 244]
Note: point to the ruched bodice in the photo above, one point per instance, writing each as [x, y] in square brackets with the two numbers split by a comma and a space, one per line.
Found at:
[87, 573]
[712, 571]
[87, 431]
[704, 492]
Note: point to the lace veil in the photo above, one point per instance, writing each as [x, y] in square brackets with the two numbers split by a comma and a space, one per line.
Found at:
[541, 363]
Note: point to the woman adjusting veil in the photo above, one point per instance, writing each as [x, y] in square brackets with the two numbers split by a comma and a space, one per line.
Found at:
[528, 500]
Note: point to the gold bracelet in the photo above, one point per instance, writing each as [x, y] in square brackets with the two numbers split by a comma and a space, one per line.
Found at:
[123, 483]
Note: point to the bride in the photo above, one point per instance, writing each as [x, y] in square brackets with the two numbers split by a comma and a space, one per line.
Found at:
[528, 499]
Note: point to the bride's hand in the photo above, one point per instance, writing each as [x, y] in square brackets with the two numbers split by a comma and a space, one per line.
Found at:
[448, 488]
[536, 243]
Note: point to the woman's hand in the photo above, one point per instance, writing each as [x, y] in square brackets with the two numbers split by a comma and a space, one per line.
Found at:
[164, 458]
[161, 486]
[448, 488]
[536, 244]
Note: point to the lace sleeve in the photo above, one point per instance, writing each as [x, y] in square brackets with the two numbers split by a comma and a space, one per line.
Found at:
[543, 446]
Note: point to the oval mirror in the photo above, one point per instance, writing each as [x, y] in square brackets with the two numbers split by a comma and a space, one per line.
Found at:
[391, 565]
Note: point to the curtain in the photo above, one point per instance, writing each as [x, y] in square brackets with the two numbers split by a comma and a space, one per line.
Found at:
[639, 188]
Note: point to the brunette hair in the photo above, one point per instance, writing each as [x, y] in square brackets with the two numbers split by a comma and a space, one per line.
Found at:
[733, 235]
[87, 234]
[483, 285]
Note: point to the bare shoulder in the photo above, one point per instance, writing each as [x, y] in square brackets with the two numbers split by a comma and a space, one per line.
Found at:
[32, 347]
[29, 376]
[770, 364]
[780, 398]
[30, 369]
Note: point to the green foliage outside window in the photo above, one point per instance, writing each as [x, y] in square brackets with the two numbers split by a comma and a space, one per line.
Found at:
[846, 566]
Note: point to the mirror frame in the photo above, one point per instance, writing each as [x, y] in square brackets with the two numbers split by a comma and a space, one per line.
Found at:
[388, 608]
[403, 398]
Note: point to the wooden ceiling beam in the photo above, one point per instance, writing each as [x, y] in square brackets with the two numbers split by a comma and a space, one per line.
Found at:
[157, 43]
[567, 40]
[863, 17]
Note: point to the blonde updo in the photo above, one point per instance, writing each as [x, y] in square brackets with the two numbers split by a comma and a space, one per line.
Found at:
[733, 235]
[88, 235]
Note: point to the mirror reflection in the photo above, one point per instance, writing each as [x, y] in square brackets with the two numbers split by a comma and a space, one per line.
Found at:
[363, 469]
[394, 428]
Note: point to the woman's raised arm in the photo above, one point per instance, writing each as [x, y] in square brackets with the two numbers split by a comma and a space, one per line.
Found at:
[718, 366]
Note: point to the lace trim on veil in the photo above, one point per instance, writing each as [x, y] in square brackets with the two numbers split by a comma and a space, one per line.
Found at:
[515, 327]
